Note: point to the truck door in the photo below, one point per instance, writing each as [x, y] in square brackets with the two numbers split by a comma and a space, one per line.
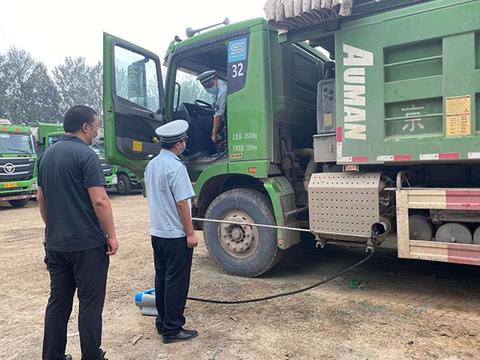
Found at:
[133, 101]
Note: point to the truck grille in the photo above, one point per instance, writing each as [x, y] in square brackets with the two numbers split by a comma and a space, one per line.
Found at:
[14, 169]
[107, 169]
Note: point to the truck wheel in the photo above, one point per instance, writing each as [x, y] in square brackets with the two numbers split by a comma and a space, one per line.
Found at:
[242, 250]
[18, 203]
[123, 185]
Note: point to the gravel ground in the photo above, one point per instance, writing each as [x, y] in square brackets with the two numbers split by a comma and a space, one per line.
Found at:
[401, 309]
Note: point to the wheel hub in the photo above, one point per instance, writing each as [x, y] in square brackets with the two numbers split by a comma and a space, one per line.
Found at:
[238, 240]
[237, 234]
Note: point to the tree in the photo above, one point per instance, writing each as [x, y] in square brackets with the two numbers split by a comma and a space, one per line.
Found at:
[79, 83]
[27, 94]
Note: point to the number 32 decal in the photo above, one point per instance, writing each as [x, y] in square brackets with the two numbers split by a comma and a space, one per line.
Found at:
[237, 70]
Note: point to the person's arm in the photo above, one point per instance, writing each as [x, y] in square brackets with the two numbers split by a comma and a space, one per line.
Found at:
[103, 210]
[184, 213]
[221, 103]
[41, 204]
[217, 120]
[182, 190]
[94, 182]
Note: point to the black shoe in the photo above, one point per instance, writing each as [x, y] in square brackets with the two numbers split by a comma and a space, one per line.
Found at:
[183, 335]
[68, 357]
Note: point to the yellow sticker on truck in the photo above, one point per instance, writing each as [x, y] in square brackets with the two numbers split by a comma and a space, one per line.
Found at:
[137, 146]
[459, 117]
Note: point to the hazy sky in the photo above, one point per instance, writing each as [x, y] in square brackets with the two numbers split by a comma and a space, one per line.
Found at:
[52, 29]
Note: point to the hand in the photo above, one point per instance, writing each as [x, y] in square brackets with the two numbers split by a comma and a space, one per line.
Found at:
[112, 244]
[192, 240]
[214, 139]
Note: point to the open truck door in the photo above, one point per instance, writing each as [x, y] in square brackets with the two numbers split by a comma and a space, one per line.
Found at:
[133, 101]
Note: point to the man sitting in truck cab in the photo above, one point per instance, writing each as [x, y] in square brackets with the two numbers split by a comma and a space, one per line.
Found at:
[210, 129]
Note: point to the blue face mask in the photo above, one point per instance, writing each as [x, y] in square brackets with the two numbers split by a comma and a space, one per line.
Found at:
[213, 90]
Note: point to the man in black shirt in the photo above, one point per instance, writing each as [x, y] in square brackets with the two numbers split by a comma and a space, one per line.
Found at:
[79, 235]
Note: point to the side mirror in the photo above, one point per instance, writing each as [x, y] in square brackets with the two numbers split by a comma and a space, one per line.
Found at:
[137, 80]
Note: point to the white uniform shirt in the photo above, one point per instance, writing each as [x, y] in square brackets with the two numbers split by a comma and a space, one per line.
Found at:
[220, 101]
[167, 182]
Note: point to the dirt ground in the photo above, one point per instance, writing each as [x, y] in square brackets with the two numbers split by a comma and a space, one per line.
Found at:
[401, 310]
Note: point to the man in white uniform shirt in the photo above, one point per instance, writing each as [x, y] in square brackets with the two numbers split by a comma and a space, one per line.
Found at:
[210, 128]
[169, 193]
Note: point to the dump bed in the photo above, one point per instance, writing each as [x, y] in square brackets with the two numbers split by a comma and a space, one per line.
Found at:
[407, 84]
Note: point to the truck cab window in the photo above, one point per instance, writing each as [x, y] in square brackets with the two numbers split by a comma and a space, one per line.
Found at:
[136, 79]
[53, 139]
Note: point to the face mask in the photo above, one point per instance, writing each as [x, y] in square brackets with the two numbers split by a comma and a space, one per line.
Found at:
[213, 90]
[184, 147]
[96, 139]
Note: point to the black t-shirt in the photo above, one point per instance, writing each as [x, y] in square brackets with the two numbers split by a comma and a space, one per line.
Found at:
[66, 170]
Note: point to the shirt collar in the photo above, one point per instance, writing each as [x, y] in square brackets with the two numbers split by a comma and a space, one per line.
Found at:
[169, 154]
[71, 138]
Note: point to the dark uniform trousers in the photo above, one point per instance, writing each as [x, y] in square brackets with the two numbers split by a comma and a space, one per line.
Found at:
[86, 271]
[173, 262]
[204, 134]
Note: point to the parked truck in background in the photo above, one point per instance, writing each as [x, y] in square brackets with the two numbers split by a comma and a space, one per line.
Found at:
[127, 182]
[48, 134]
[18, 164]
[375, 144]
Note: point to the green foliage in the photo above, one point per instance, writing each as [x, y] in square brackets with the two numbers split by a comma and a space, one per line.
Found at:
[29, 94]
[79, 83]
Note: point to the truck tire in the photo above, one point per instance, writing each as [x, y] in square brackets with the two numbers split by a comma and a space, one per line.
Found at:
[124, 187]
[20, 203]
[242, 250]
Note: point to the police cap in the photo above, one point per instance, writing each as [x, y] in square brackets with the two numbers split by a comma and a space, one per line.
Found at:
[207, 76]
[172, 132]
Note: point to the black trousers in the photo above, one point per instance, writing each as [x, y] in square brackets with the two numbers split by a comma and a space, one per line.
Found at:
[204, 126]
[87, 272]
[173, 262]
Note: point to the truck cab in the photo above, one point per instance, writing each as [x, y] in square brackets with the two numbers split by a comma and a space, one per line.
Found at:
[255, 175]
[109, 170]
[18, 164]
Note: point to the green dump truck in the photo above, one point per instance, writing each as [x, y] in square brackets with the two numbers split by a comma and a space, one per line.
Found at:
[357, 122]
[48, 134]
[126, 181]
[18, 164]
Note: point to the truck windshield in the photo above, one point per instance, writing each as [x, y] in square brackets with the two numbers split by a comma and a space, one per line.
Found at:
[98, 148]
[53, 139]
[16, 143]
[190, 89]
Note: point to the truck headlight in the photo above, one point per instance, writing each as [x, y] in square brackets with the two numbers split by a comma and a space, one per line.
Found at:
[34, 185]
